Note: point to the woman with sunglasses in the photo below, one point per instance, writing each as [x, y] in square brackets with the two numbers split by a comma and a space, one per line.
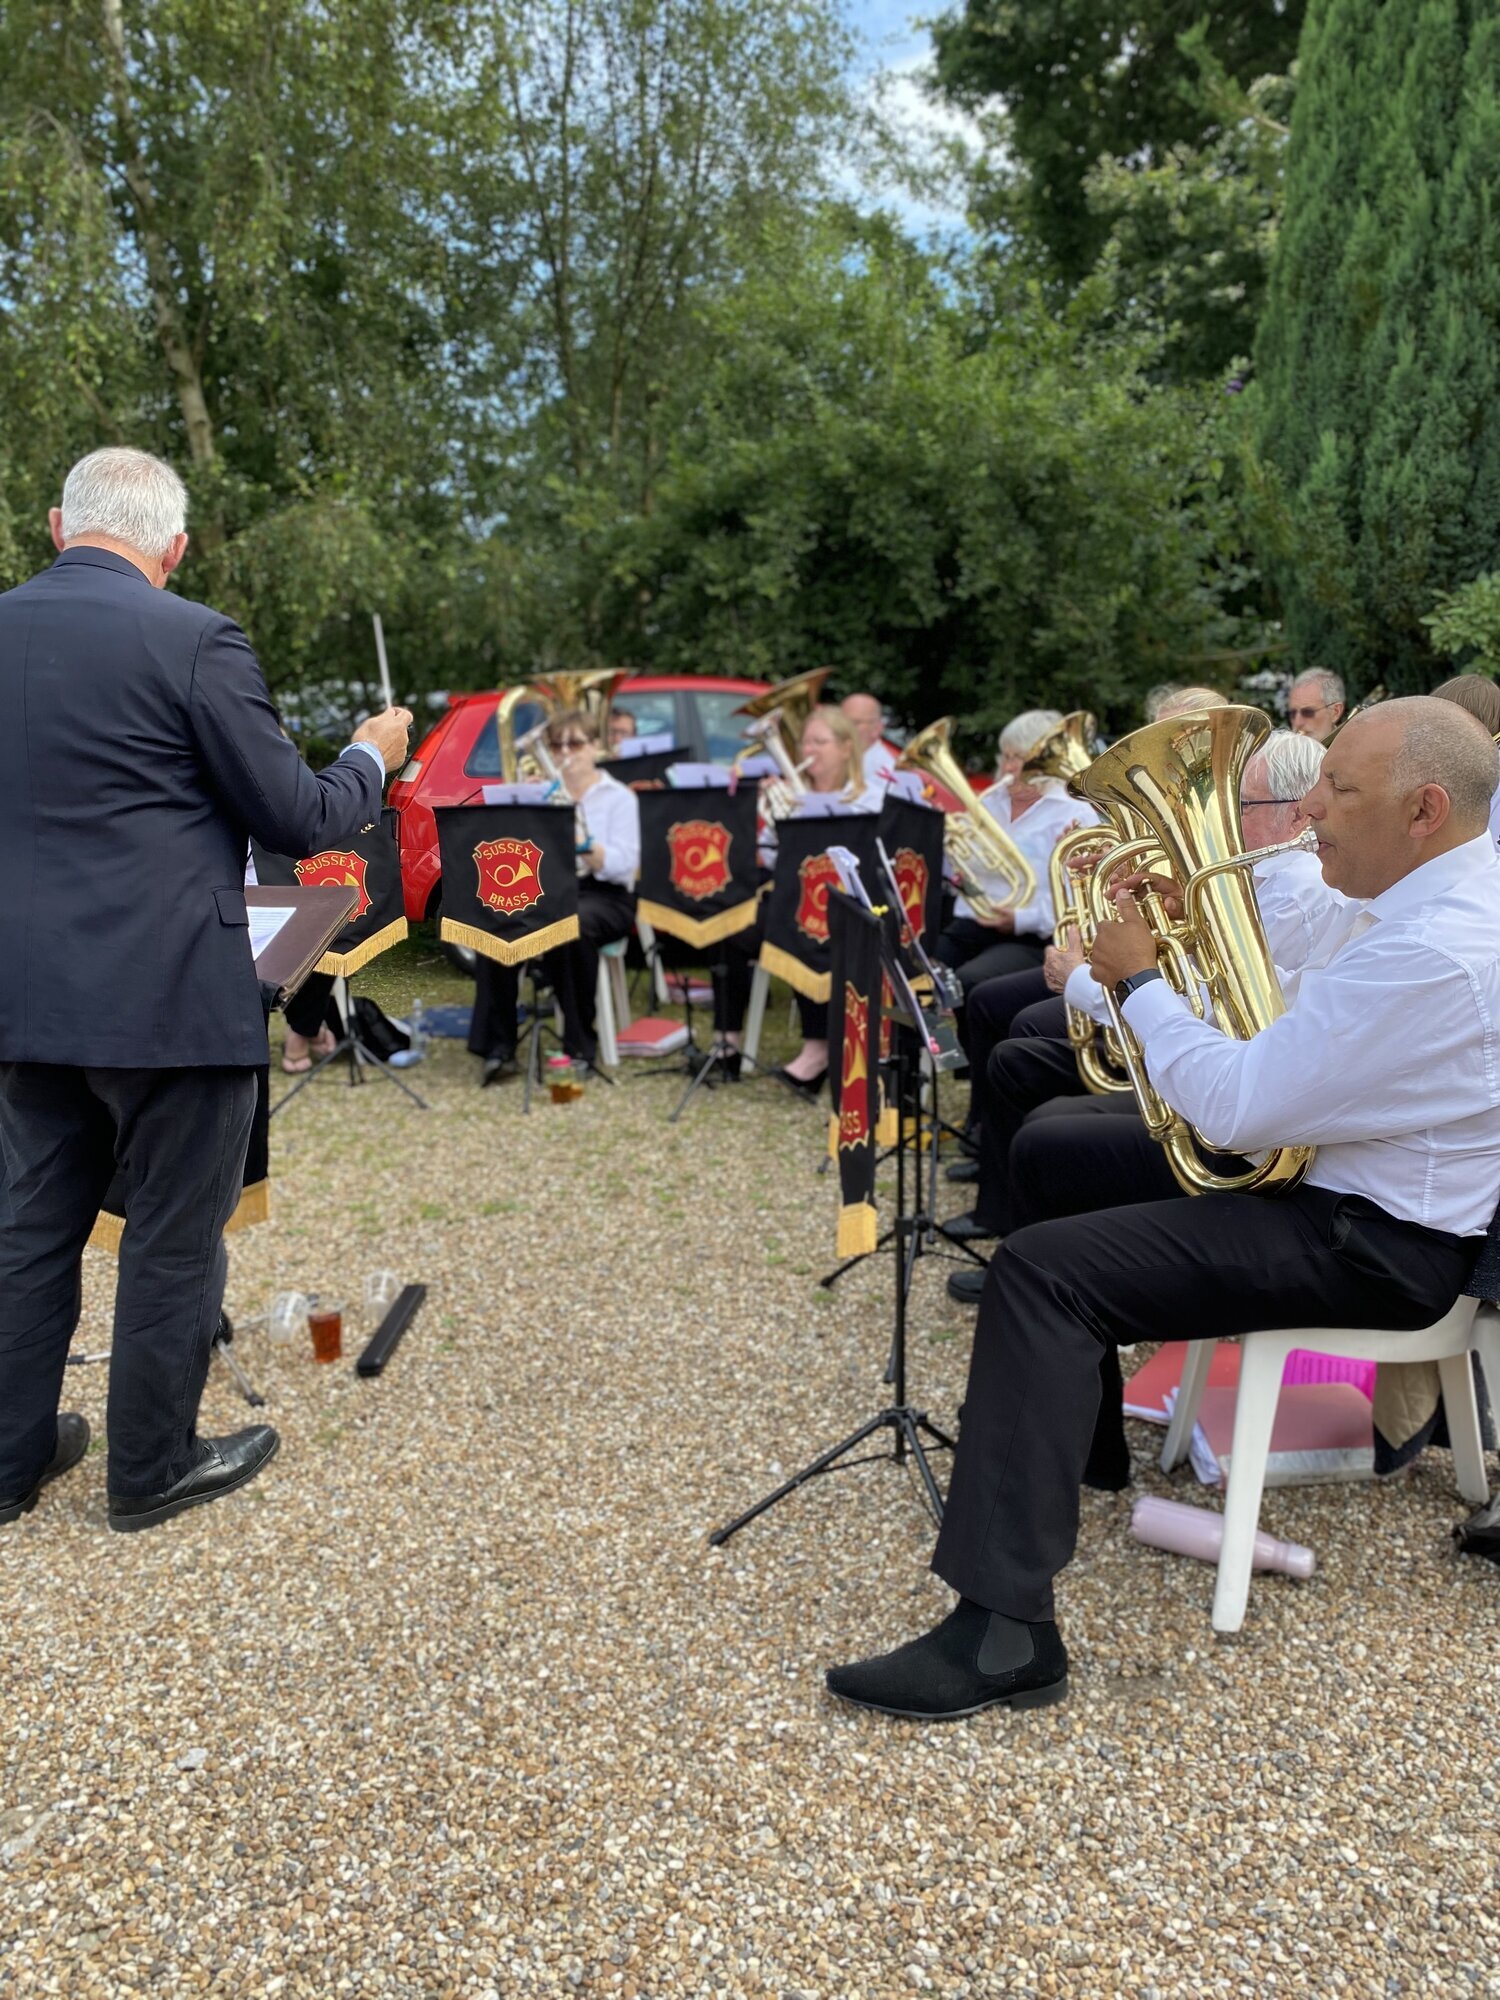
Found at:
[609, 858]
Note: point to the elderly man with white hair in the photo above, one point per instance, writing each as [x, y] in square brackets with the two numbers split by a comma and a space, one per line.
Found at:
[139, 752]
[1382, 1232]
[1315, 704]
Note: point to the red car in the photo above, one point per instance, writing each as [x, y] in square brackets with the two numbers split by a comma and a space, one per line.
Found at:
[462, 752]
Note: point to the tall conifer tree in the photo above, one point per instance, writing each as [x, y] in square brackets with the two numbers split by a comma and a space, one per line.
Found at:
[1378, 427]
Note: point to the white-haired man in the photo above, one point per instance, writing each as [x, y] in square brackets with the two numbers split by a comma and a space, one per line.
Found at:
[139, 751]
[1382, 1232]
[1315, 704]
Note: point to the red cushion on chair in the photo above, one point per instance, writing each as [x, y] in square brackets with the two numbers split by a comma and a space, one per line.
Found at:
[652, 1036]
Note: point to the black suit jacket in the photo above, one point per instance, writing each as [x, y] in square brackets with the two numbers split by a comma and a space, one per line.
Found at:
[139, 750]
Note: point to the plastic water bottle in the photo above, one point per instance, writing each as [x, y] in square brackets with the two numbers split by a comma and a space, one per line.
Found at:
[1198, 1531]
[416, 1040]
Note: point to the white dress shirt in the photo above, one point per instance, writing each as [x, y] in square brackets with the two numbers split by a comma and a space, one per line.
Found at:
[612, 814]
[1036, 833]
[1299, 911]
[1495, 818]
[1387, 1059]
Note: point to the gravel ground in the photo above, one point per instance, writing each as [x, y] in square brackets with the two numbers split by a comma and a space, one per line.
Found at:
[456, 1700]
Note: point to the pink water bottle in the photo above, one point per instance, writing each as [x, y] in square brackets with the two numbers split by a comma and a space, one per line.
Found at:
[1196, 1531]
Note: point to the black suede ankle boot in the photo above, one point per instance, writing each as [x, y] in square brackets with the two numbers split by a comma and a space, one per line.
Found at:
[975, 1659]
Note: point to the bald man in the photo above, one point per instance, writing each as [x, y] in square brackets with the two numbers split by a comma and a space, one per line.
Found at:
[1382, 1232]
[867, 720]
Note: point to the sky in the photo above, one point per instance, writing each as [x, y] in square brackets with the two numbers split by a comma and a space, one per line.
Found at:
[897, 52]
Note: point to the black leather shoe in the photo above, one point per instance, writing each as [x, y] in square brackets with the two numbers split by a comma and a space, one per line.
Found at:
[72, 1443]
[975, 1659]
[966, 1228]
[727, 1063]
[967, 1284]
[810, 1090]
[497, 1069]
[962, 1170]
[223, 1464]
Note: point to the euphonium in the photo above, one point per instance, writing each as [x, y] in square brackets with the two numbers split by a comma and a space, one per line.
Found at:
[1093, 1046]
[1182, 778]
[779, 798]
[786, 708]
[1066, 751]
[973, 839]
[593, 692]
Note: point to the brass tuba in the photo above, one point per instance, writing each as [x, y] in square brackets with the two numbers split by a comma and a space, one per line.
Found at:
[974, 840]
[1066, 751]
[785, 708]
[1181, 779]
[1095, 1049]
[593, 691]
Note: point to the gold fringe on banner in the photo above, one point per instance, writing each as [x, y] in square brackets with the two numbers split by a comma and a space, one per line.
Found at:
[344, 964]
[698, 931]
[781, 965]
[254, 1206]
[887, 1126]
[833, 1135]
[532, 946]
[857, 1230]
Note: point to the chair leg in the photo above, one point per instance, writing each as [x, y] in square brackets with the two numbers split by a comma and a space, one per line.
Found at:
[649, 946]
[620, 987]
[604, 1018]
[1261, 1363]
[1195, 1372]
[1461, 1407]
[755, 1015]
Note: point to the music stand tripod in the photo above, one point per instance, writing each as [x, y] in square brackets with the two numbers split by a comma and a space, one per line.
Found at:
[352, 1045]
[906, 1423]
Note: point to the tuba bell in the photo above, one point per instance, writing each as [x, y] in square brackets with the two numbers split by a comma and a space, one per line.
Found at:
[592, 691]
[785, 708]
[1066, 751]
[973, 839]
[1180, 779]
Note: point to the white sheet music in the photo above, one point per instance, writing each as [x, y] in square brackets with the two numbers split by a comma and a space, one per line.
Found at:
[267, 922]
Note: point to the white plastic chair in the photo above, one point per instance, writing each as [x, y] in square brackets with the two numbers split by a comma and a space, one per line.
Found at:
[755, 1016]
[647, 937]
[611, 1001]
[1263, 1357]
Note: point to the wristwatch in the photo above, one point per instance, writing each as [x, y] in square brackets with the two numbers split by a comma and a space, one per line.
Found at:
[1125, 987]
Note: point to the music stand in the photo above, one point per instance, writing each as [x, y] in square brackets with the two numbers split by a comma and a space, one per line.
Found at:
[905, 1422]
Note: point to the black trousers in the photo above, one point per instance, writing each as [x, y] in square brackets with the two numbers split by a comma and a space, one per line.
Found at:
[976, 953]
[311, 1005]
[1059, 1293]
[989, 1010]
[178, 1137]
[605, 912]
[732, 992]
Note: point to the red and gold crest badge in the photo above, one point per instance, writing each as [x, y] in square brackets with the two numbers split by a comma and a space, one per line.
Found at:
[910, 871]
[341, 870]
[700, 858]
[510, 874]
[854, 1085]
[817, 875]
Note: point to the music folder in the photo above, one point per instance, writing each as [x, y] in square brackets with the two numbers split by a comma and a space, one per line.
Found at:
[292, 927]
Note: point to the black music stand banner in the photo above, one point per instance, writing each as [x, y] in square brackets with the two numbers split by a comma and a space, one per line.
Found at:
[796, 947]
[370, 863]
[255, 1184]
[854, 1016]
[510, 878]
[699, 879]
[912, 835]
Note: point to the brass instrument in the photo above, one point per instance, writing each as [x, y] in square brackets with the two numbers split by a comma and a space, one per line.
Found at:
[783, 709]
[779, 796]
[593, 692]
[1095, 1049]
[973, 839]
[1066, 751]
[1181, 777]
[1377, 694]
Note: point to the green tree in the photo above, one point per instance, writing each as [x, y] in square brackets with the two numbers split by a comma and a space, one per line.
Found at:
[966, 517]
[1377, 464]
[1077, 82]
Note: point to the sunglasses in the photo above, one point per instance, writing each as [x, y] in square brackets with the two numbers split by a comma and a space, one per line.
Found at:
[1269, 802]
[1309, 713]
[571, 742]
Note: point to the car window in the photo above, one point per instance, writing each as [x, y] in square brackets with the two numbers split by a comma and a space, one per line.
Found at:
[483, 760]
[655, 712]
[722, 730]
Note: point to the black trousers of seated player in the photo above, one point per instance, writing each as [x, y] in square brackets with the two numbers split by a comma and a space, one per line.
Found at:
[732, 992]
[977, 953]
[605, 912]
[178, 1137]
[1059, 1293]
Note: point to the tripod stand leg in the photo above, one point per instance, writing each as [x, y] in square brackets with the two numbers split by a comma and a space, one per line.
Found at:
[242, 1381]
[822, 1463]
[827, 1284]
[908, 1425]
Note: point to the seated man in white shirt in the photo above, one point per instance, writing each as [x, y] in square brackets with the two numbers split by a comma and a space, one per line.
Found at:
[608, 862]
[1387, 1060]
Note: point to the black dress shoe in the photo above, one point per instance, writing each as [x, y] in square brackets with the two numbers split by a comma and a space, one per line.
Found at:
[223, 1464]
[727, 1063]
[967, 1228]
[962, 1170]
[72, 1443]
[809, 1089]
[975, 1659]
[497, 1069]
[967, 1284]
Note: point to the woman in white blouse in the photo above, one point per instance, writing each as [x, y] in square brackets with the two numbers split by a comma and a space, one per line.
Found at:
[607, 865]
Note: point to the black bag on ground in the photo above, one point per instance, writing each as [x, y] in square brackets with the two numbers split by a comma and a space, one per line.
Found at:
[377, 1030]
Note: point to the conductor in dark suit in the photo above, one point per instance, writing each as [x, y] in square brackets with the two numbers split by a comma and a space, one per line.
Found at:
[139, 751]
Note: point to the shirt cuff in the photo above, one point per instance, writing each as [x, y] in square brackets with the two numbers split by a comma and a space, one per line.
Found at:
[1085, 995]
[1150, 1005]
[371, 752]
